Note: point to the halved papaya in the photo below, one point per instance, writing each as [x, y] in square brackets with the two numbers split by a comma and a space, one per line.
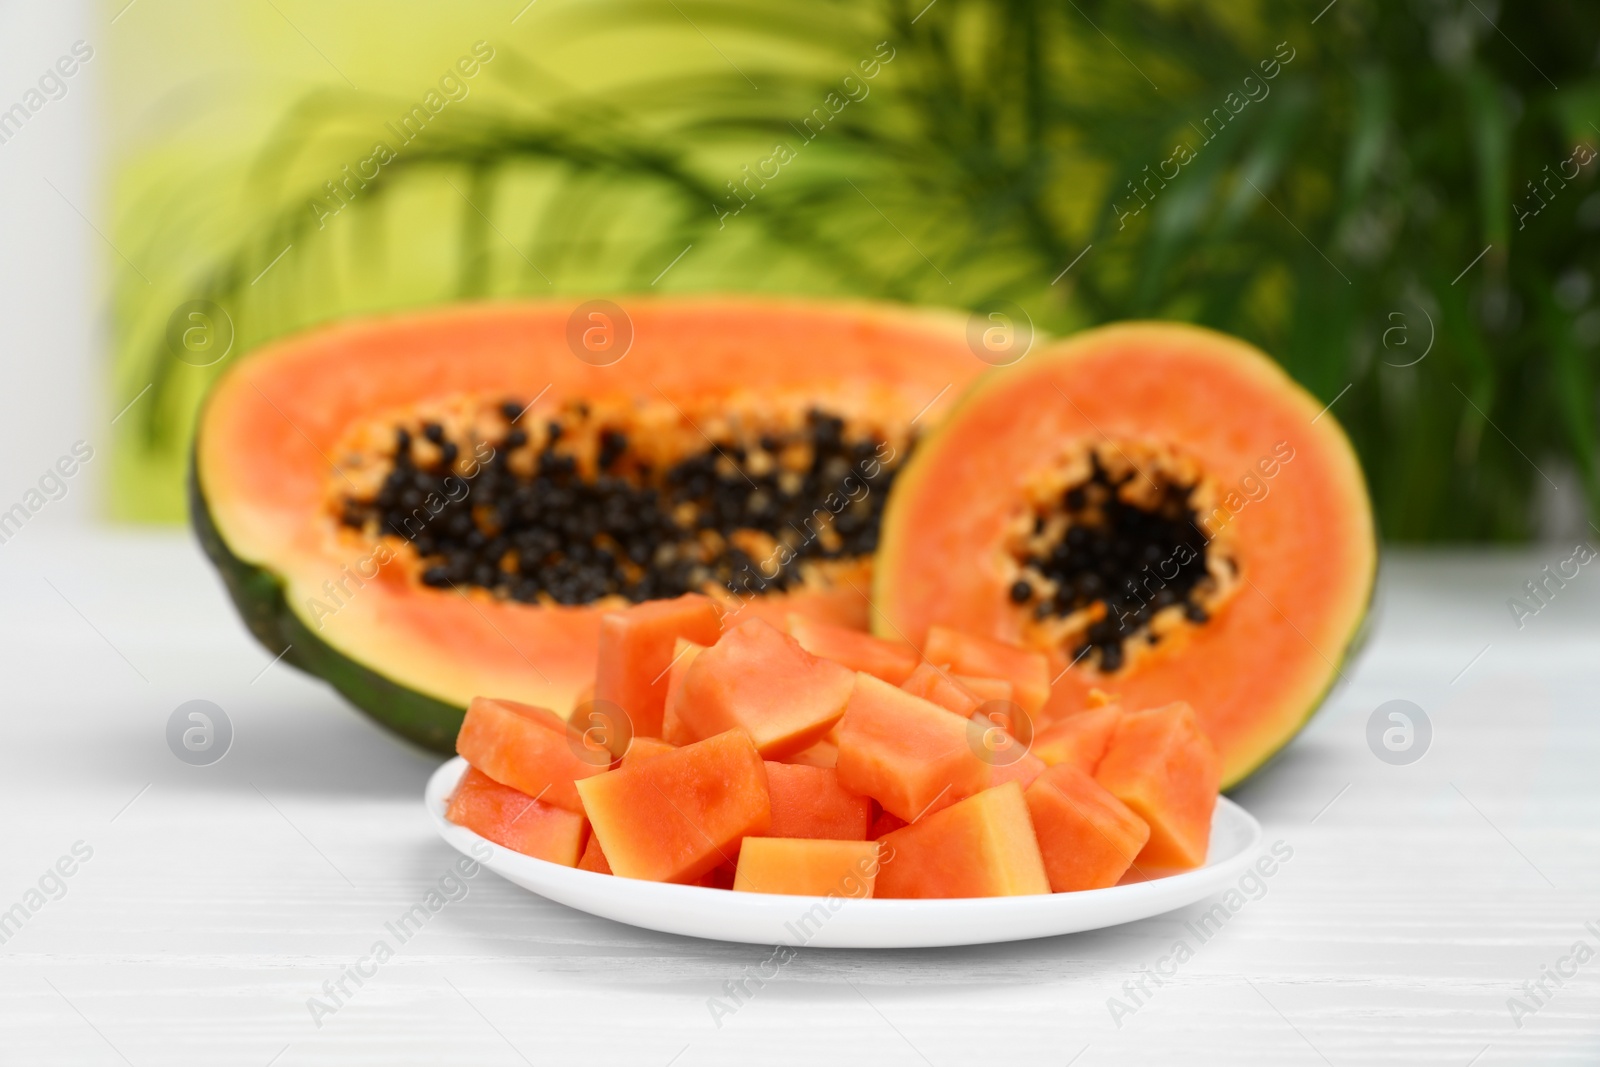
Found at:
[1161, 511]
[425, 507]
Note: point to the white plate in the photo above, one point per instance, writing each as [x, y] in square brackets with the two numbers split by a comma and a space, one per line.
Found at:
[764, 919]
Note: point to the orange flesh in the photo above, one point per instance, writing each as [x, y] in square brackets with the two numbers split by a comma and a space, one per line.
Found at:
[636, 650]
[910, 755]
[273, 425]
[643, 748]
[530, 749]
[822, 754]
[514, 820]
[758, 679]
[807, 868]
[893, 661]
[982, 847]
[938, 686]
[1026, 670]
[1079, 739]
[1306, 550]
[810, 802]
[1022, 769]
[1088, 837]
[672, 728]
[1162, 767]
[593, 858]
[675, 817]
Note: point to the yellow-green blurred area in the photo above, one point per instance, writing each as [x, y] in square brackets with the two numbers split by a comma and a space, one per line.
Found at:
[1296, 174]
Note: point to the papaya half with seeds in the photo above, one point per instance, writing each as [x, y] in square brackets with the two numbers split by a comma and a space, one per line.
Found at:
[428, 507]
[1158, 508]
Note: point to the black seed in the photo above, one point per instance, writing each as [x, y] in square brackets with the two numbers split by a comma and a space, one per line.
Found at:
[511, 410]
[516, 439]
[433, 432]
[1021, 591]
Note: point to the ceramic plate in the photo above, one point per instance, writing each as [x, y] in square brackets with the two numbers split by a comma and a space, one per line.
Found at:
[763, 919]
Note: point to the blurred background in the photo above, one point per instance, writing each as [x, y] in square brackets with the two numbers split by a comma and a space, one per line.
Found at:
[1397, 200]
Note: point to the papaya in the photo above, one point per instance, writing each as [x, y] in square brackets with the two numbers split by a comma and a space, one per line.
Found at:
[513, 819]
[909, 754]
[1079, 739]
[1087, 837]
[420, 508]
[1166, 771]
[807, 867]
[983, 846]
[810, 802]
[531, 749]
[1156, 508]
[637, 647]
[893, 661]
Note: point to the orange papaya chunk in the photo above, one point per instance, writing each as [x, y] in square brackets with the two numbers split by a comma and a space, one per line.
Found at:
[984, 657]
[758, 679]
[675, 816]
[1162, 765]
[987, 690]
[939, 686]
[887, 822]
[1088, 837]
[636, 649]
[982, 846]
[1079, 739]
[594, 858]
[810, 802]
[672, 728]
[807, 867]
[908, 754]
[893, 661]
[824, 753]
[642, 748]
[1022, 768]
[514, 820]
[530, 749]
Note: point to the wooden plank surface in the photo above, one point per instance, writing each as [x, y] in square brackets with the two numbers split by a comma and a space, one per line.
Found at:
[215, 901]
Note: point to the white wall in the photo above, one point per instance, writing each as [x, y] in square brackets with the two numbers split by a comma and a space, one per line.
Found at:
[52, 278]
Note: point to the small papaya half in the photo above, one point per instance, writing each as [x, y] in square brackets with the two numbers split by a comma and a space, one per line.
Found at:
[1160, 510]
[425, 507]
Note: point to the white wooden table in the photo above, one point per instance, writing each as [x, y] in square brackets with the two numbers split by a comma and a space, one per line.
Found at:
[216, 901]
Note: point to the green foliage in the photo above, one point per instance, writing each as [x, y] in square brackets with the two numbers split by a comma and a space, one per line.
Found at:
[1335, 213]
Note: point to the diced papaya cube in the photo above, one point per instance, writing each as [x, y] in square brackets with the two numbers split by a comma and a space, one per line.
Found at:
[675, 816]
[636, 649]
[887, 822]
[822, 754]
[758, 679]
[1162, 765]
[987, 690]
[719, 877]
[980, 847]
[530, 749]
[643, 748]
[594, 858]
[908, 754]
[937, 685]
[513, 819]
[1022, 768]
[1079, 739]
[806, 867]
[1088, 837]
[672, 728]
[810, 802]
[893, 661]
[1027, 671]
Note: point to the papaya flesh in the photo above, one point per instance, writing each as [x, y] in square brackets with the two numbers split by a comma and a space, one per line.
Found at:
[983, 846]
[1087, 837]
[806, 867]
[1156, 508]
[910, 755]
[530, 749]
[1166, 771]
[635, 654]
[425, 507]
[514, 820]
